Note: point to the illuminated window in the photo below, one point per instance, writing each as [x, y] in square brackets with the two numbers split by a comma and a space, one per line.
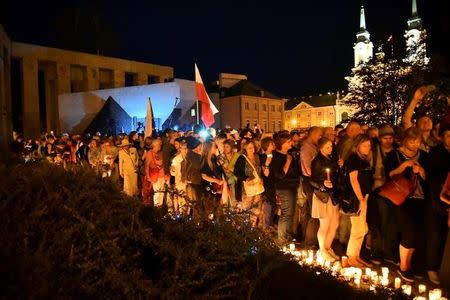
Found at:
[192, 112]
[279, 109]
[247, 105]
[279, 125]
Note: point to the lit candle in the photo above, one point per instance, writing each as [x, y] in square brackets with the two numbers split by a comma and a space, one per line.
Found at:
[327, 264]
[437, 293]
[344, 261]
[422, 288]
[406, 289]
[292, 246]
[327, 170]
[385, 271]
[397, 283]
[357, 282]
[384, 281]
[368, 271]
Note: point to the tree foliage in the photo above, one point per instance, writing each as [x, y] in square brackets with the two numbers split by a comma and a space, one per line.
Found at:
[380, 90]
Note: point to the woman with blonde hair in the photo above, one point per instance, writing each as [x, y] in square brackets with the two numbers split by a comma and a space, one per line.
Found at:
[360, 181]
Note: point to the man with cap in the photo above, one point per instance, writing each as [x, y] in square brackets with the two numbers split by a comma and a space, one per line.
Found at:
[191, 168]
[128, 163]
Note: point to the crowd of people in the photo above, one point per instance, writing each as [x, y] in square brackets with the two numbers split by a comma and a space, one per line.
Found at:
[328, 187]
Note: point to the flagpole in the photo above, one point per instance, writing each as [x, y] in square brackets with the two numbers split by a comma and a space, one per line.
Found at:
[196, 113]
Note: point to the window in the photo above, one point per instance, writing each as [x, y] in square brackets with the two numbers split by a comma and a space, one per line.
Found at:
[153, 79]
[247, 106]
[256, 123]
[298, 116]
[78, 79]
[279, 108]
[247, 122]
[192, 112]
[279, 125]
[130, 79]
[265, 125]
[256, 106]
[319, 113]
[264, 107]
[105, 79]
[273, 125]
[273, 108]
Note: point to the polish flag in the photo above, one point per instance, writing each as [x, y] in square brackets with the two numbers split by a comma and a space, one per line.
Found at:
[208, 108]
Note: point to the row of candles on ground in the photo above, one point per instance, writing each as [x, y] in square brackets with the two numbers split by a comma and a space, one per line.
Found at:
[356, 276]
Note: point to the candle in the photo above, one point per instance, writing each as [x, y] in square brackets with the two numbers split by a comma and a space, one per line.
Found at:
[406, 289]
[435, 294]
[292, 246]
[344, 261]
[422, 288]
[397, 283]
[327, 170]
[374, 275]
[385, 281]
[368, 271]
[357, 282]
[385, 271]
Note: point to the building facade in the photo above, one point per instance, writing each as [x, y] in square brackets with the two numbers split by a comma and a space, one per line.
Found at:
[243, 103]
[322, 110]
[48, 72]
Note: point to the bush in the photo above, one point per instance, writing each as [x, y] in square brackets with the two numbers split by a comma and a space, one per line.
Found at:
[67, 233]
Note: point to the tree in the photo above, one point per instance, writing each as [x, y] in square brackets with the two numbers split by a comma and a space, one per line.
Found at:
[380, 90]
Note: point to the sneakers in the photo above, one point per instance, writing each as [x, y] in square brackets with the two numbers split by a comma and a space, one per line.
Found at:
[407, 276]
[434, 277]
[391, 261]
[364, 262]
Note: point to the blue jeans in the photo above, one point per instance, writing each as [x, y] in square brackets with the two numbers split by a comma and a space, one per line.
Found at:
[288, 203]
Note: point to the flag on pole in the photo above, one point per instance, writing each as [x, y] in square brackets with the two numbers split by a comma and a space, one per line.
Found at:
[208, 108]
[149, 119]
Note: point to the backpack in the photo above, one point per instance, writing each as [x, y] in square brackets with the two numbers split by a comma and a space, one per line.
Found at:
[343, 194]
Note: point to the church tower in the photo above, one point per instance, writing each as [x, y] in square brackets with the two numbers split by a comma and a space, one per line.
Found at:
[415, 35]
[363, 46]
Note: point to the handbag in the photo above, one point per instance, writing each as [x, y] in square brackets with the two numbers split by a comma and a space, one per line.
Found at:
[320, 192]
[398, 188]
[255, 186]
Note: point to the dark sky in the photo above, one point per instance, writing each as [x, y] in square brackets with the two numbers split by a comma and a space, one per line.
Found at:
[291, 48]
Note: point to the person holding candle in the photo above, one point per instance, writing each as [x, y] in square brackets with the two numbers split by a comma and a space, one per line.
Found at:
[324, 169]
[360, 179]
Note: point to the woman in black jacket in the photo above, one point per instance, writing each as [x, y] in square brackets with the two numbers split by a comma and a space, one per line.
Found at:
[324, 170]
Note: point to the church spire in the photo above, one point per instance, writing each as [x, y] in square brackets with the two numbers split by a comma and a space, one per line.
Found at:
[414, 8]
[362, 19]
[363, 46]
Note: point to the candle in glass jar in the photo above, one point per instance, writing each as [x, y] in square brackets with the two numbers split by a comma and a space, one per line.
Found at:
[435, 294]
[397, 283]
[327, 170]
[422, 288]
[368, 271]
[385, 281]
[406, 289]
[385, 271]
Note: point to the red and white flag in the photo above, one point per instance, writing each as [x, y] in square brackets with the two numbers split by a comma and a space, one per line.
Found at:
[208, 108]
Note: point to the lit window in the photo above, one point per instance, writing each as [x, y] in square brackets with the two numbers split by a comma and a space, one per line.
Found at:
[192, 112]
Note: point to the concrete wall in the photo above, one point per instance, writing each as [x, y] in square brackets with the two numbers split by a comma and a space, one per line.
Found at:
[57, 65]
[5, 91]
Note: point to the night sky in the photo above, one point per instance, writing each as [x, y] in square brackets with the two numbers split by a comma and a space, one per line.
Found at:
[291, 48]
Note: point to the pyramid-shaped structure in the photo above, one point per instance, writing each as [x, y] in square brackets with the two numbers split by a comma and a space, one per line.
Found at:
[110, 120]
